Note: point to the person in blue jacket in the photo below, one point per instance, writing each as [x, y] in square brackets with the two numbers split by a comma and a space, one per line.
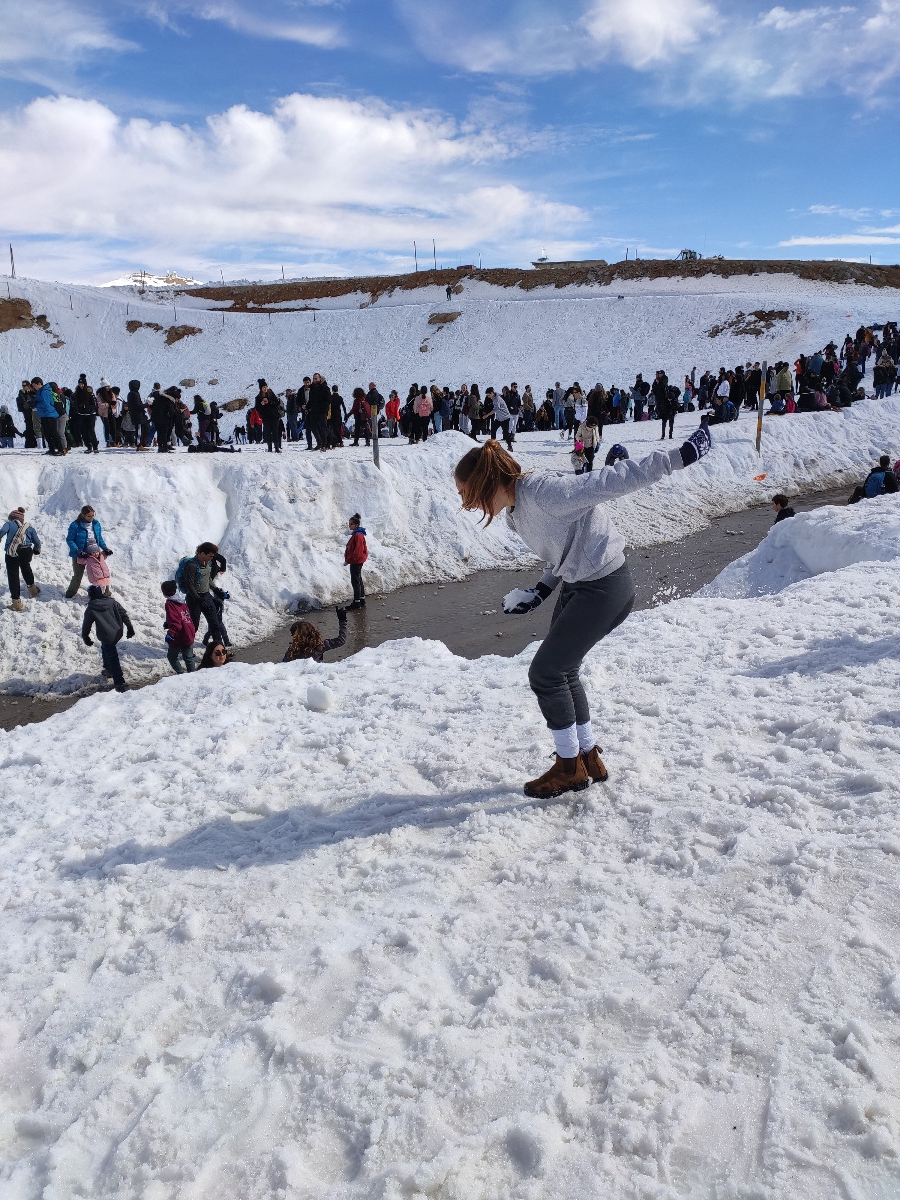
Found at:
[85, 537]
[21, 543]
[46, 410]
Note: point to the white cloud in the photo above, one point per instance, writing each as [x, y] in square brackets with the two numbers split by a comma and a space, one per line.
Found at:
[780, 19]
[835, 210]
[842, 239]
[641, 33]
[318, 175]
[57, 31]
[275, 19]
[700, 52]
[546, 37]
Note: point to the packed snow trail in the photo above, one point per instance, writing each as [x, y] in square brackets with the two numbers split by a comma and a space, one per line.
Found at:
[281, 520]
[253, 950]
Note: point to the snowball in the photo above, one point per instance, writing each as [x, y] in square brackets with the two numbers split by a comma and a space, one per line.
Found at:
[345, 756]
[516, 596]
[319, 697]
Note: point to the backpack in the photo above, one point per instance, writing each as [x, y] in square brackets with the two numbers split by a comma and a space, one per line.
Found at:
[179, 572]
[874, 485]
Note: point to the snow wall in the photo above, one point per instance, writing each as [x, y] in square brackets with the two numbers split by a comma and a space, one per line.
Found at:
[281, 521]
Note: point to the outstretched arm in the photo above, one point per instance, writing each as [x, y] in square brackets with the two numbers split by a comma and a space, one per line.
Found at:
[569, 495]
[336, 642]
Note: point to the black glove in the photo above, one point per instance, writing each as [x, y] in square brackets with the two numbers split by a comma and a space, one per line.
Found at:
[538, 595]
[130, 633]
[698, 444]
[107, 553]
[87, 641]
[341, 614]
[37, 550]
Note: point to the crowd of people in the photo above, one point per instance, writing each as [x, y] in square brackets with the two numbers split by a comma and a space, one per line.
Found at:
[194, 578]
[60, 419]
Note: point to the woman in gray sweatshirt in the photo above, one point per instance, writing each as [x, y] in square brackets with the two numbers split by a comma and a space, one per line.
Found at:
[562, 519]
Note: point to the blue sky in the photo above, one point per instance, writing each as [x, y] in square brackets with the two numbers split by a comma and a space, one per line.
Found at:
[327, 135]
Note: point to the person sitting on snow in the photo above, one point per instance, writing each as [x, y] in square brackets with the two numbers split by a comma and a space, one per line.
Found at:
[307, 642]
[881, 480]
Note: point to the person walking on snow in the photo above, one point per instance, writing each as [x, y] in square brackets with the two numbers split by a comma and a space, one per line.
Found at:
[562, 519]
[355, 554]
[87, 549]
[46, 410]
[180, 631]
[270, 408]
[21, 543]
[110, 618]
[137, 411]
[195, 577]
[84, 414]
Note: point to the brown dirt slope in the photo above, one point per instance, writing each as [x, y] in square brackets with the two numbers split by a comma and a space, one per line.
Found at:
[256, 297]
[17, 314]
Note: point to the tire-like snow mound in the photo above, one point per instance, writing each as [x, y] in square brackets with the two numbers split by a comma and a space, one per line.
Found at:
[811, 544]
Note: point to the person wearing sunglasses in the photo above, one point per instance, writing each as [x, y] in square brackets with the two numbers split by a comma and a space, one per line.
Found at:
[215, 655]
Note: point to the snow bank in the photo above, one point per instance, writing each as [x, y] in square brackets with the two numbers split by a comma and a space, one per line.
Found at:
[281, 521]
[811, 544]
[255, 950]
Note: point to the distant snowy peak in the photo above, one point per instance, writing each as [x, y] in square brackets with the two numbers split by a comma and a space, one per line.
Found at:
[142, 279]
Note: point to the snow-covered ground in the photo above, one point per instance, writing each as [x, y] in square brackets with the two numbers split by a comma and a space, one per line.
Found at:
[281, 521]
[253, 950]
[587, 333]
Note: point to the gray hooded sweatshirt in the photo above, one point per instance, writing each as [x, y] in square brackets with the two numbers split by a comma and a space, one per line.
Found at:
[562, 518]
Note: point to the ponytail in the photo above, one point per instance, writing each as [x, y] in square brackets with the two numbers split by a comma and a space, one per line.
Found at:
[481, 473]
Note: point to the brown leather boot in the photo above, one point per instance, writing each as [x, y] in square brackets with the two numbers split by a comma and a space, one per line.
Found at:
[593, 764]
[566, 775]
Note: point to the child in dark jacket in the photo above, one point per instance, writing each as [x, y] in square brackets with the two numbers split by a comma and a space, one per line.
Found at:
[110, 619]
[307, 642]
[180, 631]
[355, 555]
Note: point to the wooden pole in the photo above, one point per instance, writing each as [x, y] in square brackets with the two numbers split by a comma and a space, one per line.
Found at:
[762, 405]
[376, 457]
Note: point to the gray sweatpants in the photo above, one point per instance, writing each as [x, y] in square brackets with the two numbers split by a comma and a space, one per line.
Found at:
[584, 614]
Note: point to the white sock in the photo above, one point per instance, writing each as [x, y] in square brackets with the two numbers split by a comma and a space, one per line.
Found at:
[585, 736]
[566, 741]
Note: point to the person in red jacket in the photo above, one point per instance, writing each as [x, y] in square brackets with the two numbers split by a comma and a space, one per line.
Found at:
[355, 555]
[180, 631]
[361, 412]
[392, 414]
